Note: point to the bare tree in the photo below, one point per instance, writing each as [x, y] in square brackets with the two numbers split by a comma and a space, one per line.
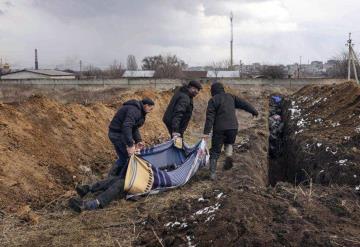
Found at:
[115, 70]
[273, 71]
[169, 66]
[339, 68]
[219, 66]
[131, 63]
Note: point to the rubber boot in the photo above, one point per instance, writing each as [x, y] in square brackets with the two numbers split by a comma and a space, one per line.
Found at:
[79, 205]
[228, 157]
[212, 167]
[82, 190]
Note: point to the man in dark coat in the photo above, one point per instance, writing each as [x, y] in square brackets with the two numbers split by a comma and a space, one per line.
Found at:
[221, 118]
[124, 131]
[179, 110]
[125, 136]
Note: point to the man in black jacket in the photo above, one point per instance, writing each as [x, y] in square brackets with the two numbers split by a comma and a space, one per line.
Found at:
[221, 118]
[125, 136]
[179, 110]
[124, 131]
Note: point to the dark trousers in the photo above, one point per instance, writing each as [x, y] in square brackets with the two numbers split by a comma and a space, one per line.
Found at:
[112, 188]
[120, 165]
[219, 138]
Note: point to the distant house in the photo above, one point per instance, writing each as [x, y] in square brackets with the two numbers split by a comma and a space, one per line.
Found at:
[27, 74]
[139, 74]
[223, 74]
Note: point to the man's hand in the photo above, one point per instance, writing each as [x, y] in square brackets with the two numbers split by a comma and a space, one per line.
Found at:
[140, 145]
[206, 137]
[175, 134]
[131, 150]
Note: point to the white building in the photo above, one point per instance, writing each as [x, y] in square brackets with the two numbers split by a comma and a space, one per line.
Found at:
[27, 74]
[139, 74]
[223, 74]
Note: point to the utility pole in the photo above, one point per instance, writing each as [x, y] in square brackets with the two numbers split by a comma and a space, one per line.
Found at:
[80, 68]
[352, 57]
[240, 69]
[231, 40]
[349, 43]
[36, 60]
[299, 69]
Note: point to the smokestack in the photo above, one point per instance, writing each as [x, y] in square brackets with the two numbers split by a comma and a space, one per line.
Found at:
[36, 60]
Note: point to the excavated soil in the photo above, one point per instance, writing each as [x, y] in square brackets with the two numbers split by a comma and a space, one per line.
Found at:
[50, 146]
[323, 135]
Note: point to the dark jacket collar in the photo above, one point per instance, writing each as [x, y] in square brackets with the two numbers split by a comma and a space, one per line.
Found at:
[137, 103]
[185, 90]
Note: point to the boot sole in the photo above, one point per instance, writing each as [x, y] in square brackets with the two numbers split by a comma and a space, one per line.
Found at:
[74, 205]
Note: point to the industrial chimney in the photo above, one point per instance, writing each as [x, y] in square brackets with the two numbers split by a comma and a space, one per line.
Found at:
[36, 60]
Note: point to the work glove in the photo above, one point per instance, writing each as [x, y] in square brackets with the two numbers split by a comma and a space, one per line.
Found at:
[175, 134]
[131, 150]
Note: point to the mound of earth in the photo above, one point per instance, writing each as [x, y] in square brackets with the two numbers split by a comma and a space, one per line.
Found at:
[47, 147]
[246, 215]
[322, 132]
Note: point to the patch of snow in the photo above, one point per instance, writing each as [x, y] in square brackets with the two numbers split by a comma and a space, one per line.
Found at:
[189, 243]
[321, 171]
[328, 149]
[219, 195]
[318, 144]
[210, 218]
[357, 187]
[301, 123]
[319, 120]
[173, 224]
[300, 131]
[355, 176]
[183, 225]
[335, 124]
[201, 199]
[294, 113]
[342, 162]
[346, 138]
[316, 101]
[208, 210]
[357, 130]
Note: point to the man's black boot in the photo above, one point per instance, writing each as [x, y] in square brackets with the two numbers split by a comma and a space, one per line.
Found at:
[212, 168]
[76, 204]
[79, 205]
[228, 163]
[82, 190]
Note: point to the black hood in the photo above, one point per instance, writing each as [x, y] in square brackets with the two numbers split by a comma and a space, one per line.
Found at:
[217, 88]
[138, 104]
[185, 89]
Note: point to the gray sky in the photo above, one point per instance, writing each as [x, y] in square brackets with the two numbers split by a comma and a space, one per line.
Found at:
[98, 32]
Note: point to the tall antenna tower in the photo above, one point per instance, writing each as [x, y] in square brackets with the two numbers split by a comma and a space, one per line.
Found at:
[231, 40]
[36, 60]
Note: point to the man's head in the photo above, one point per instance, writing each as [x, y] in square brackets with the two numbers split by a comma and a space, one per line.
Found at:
[148, 104]
[194, 88]
[217, 88]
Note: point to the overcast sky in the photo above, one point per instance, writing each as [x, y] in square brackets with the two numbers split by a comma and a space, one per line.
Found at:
[100, 31]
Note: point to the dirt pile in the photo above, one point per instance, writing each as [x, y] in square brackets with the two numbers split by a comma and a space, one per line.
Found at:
[246, 215]
[323, 134]
[47, 147]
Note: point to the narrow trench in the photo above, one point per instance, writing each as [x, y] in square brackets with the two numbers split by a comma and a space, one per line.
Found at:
[277, 147]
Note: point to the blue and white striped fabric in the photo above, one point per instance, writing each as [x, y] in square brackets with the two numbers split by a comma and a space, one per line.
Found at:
[184, 163]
